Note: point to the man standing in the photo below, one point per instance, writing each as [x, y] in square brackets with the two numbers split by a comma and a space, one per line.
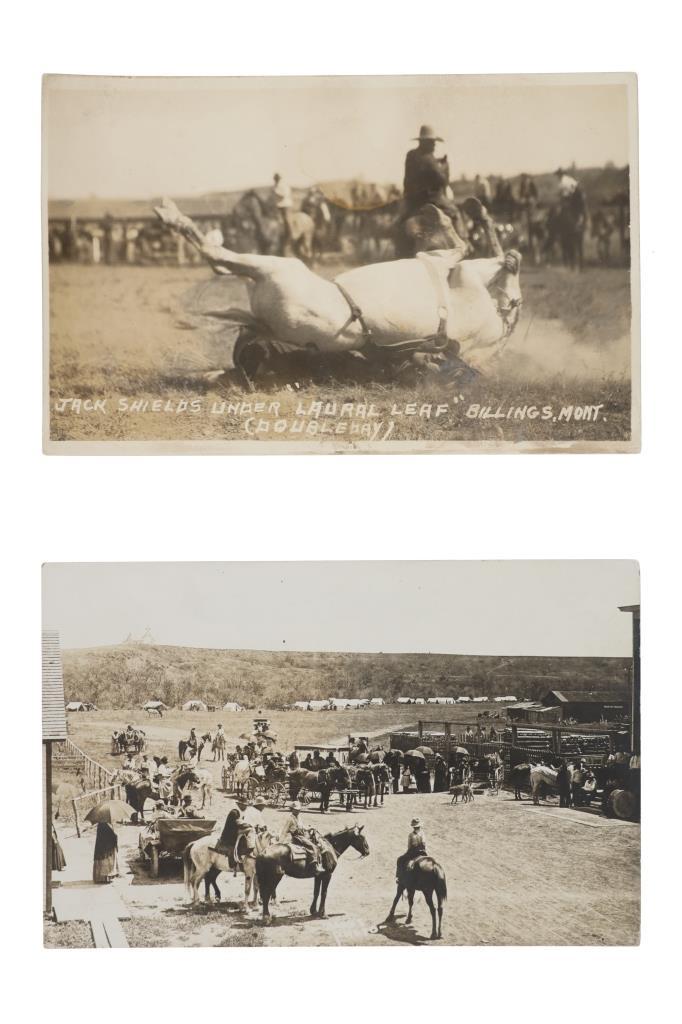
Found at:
[219, 744]
[294, 831]
[281, 194]
[416, 847]
[577, 780]
[563, 780]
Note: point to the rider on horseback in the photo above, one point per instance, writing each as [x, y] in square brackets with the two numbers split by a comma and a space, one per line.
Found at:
[416, 847]
[427, 178]
[294, 831]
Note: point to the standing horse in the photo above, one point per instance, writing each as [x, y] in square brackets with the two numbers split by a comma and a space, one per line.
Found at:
[202, 862]
[427, 876]
[188, 778]
[138, 790]
[364, 781]
[203, 740]
[279, 860]
[382, 781]
[303, 781]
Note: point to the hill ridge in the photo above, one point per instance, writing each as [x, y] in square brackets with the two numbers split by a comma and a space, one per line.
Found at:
[125, 675]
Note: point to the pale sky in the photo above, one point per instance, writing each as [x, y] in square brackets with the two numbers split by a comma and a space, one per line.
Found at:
[117, 137]
[559, 608]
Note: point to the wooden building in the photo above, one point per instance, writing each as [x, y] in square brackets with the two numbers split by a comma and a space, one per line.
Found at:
[589, 705]
[54, 731]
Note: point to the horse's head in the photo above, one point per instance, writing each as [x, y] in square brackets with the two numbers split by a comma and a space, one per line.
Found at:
[358, 841]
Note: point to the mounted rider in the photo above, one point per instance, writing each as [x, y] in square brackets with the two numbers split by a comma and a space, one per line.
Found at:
[427, 179]
[294, 831]
[416, 847]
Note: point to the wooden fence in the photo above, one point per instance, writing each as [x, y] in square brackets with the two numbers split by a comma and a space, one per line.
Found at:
[82, 804]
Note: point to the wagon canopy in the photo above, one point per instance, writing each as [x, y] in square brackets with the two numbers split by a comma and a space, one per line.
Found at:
[153, 705]
[195, 705]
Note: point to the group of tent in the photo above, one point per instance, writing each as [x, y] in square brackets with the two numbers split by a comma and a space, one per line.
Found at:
[190, 705]
[80, 705]
[338, 704]
[452, 700]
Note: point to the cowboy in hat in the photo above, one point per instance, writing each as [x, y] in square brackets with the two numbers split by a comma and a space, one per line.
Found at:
[294, 831]
[427, 176]
[427, 184]
[416, 847]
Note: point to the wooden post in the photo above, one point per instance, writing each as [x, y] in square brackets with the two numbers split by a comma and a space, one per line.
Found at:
[515, 734]
[47, 760]
[446, 728]
[556, 741]
[420, 726]
[75, 814]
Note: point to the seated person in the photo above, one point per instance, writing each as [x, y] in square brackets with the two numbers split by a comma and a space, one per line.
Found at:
[407, 780]
[589, 788]
[186, 809]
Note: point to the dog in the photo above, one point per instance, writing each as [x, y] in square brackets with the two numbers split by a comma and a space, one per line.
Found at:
[465, 791]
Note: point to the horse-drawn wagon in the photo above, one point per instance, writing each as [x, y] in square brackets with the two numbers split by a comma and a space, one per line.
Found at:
[128, 742]
[168, 837]
[268, 781]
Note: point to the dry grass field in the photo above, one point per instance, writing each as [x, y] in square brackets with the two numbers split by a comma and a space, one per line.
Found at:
[517, 875]
[135, 339]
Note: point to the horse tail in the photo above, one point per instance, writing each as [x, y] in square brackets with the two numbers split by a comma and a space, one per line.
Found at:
[441, 886]
[187, 865]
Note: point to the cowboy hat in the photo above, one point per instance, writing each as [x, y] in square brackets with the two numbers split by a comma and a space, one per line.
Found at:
[428, 132]
[415, 822]
[295, 805]
[259, 802]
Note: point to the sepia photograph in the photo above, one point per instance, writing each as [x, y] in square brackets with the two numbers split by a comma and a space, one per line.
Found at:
[340, 264]
[380, 754]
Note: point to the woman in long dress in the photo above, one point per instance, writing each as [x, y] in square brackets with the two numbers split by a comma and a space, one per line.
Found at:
[105, 865]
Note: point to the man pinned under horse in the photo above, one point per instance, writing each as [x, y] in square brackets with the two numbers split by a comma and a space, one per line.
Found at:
[436, 313]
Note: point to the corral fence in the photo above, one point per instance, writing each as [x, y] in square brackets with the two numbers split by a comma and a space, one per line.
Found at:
[82, 804]
[97, 781]
[515, 745]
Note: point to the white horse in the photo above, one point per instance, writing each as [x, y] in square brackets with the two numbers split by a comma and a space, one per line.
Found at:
[541, 778]
[242, 774]
[199, 859]
[474, 304]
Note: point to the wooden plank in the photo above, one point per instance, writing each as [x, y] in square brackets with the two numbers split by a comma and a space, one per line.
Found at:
[99, 935]
[115, 933]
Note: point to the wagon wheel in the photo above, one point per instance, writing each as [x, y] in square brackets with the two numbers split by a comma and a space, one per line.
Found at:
[251, 788]
[154, 862]
[225, 779]
[276, 793]
[304, 797]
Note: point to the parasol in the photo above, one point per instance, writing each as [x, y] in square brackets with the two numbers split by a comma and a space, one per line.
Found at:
[416, 754]
[426, 751]
[460, 750]
[270, 735]
[110, 811]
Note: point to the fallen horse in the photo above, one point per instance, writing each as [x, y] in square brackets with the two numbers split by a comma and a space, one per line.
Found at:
[437, 315]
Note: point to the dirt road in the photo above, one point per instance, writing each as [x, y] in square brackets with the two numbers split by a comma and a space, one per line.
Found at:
[517, 875]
